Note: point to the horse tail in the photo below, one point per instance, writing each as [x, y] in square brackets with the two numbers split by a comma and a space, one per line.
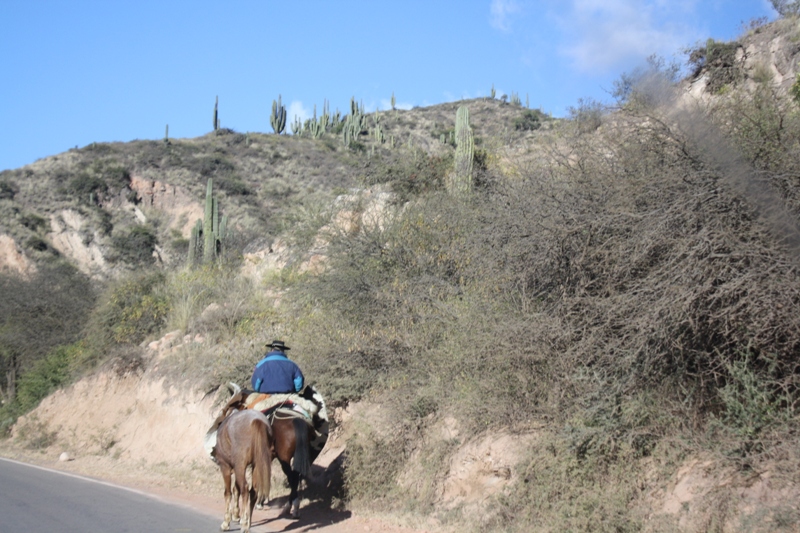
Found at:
[301, 462]
[262, 460]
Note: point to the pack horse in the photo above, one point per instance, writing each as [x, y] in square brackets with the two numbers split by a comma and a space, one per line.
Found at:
[299, 430]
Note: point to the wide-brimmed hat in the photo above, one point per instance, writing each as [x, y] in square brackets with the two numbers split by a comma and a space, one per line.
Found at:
[278, 345]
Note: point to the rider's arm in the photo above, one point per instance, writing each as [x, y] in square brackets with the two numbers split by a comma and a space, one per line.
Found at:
[256, 380]
[298, 380]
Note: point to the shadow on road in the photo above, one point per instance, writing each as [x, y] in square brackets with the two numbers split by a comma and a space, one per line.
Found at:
[324, 491]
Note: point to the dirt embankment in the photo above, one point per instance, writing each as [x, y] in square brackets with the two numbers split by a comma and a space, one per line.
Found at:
[137, 429]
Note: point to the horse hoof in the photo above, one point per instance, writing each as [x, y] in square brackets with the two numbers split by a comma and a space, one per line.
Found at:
[224, 526]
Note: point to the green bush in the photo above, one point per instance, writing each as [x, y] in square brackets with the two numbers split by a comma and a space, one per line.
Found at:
[37, 243]
[409, 177]
[128, 313]
[233, 186]
[718, 59]
[83, 185]
[34, 222]
[37, 315]
[46, 375]
[135, 245]
[530, 120]
[213, 166]
[8, 189]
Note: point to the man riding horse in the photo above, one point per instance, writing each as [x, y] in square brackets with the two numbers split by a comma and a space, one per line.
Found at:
[276, 373]
[298, 416]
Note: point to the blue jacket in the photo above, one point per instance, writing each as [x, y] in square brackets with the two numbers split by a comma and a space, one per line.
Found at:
[276, 373]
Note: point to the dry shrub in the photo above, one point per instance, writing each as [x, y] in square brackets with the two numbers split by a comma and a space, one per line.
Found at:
[657, 272]
[559, 490]
[625, 286]
[34, 435]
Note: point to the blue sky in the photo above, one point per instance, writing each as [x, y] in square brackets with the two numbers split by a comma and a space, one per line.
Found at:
[79, 71]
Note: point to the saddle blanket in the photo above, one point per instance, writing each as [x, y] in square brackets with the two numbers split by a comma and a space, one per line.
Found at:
[280, 405]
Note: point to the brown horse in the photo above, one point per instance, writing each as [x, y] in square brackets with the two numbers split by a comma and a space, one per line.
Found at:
[298, 439]
[297, 443]
[244, 440]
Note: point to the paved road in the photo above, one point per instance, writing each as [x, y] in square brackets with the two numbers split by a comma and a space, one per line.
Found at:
[35, 499]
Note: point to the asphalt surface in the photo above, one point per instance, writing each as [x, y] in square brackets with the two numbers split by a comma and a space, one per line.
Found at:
[35, 499]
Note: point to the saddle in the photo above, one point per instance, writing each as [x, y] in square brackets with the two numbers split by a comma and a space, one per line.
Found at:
[290, 405]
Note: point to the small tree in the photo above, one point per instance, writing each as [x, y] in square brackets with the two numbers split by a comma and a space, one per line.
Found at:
[786, 8]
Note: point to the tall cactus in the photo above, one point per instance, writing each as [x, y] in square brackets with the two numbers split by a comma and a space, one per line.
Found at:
[211, 229]
[461, 181]
[354, 123]
[222, 234]
[297, 126]
[209, 246]
[194, 242]
[315, 128]
[216, 114]
[278, 117]
[325, 119]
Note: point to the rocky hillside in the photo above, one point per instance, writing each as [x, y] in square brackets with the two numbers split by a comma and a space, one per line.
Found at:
[82, 204]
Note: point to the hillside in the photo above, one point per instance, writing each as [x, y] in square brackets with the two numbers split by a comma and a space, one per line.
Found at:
[77, 203]
[601, 334]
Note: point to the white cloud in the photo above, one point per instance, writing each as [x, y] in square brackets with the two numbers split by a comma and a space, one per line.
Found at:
[607, 34]
[296, 109]
[501, 12]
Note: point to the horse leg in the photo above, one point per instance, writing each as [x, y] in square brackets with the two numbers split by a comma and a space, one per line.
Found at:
[251, 503]
[295, 512]
[235, 501]
[292, 506]
[261, 503]
[243, 491]
[226, 477]
[301, 463]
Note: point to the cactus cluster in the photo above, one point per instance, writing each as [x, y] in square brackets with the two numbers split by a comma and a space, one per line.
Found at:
[377, 131]
[354, 123]
[315, 127]
[278, 117]
[212, 230]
